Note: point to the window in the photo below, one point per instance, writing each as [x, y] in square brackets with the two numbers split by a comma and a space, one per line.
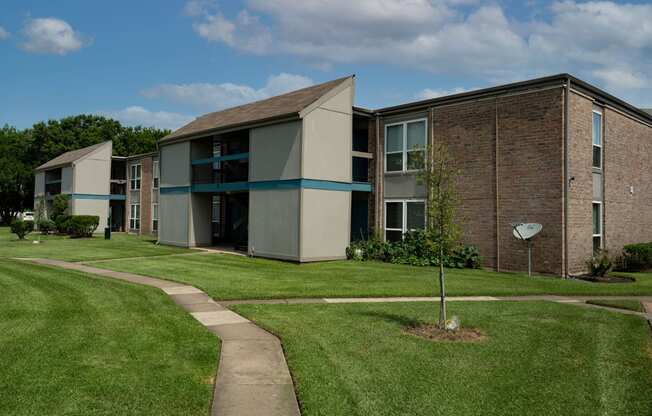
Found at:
[134, 177]
[597, 226]
[597, 139]
[155, 174]
[134, 217]
[403, 216]
[405, 145]
[154, 217]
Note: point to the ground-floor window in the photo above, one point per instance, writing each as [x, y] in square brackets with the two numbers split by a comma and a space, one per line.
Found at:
[134, 217]
[402, 216]
[155, 217]
[597, 226]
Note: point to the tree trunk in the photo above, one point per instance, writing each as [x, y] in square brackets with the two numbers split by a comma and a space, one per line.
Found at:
[442, 290]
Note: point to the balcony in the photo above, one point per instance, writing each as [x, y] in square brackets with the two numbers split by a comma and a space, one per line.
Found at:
[53, 188]
[221, 173]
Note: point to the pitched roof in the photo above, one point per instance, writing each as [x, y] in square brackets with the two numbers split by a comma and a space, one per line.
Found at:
[288, 104]
[70, 157]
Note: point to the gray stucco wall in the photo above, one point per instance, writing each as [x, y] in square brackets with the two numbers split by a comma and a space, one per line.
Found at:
[66, 180]
[39, 184]
[327, 132]
[200, 220]
[174, 217]
[92, 173]
[274, 223]
[175, 164]
[275, 152]
[325, 224]
[99, 207]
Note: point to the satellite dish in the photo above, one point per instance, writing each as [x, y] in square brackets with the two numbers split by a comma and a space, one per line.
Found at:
[526, 231]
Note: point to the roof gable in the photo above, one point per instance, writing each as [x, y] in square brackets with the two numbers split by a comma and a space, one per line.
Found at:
[285, 105]
[71, 156]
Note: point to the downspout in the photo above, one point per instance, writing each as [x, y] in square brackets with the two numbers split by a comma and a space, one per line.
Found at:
[566, 169]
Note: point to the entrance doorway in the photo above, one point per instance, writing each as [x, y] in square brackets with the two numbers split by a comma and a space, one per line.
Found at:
[230, 220]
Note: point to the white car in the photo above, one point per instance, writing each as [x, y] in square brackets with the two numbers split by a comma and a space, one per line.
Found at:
[27, 216]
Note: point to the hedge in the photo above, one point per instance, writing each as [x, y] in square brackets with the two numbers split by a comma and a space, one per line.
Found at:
[82, 225]
[22, 228]
[637, 257]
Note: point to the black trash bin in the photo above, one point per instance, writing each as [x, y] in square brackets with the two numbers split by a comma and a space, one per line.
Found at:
[107, 233]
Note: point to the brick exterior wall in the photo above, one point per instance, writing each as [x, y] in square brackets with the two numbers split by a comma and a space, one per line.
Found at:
[580, 192]
[146, 195]
[509, 151]
[627, 162]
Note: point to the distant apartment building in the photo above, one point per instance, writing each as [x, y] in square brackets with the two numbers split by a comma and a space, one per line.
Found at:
[298, 176]
[121, 191]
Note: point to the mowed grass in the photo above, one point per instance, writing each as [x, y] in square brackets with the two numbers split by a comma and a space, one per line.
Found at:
[539, 358]
[229, 277]
[75, 345]
[78, 249]
[630, 305]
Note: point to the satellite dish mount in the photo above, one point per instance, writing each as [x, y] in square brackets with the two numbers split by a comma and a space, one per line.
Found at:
[525, 232]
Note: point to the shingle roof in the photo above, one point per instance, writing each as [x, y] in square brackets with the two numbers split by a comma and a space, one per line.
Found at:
[271, 108]
[69, 157]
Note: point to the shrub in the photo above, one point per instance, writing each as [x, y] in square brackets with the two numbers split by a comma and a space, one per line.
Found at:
[416, 249]
[83, 225]
[22, 228]
[62, 224]
[468, 257]
[59, 206]
[600, 264]
[46, 226]
[637, 257]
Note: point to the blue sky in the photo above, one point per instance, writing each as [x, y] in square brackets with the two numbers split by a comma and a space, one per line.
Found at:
[163, 63]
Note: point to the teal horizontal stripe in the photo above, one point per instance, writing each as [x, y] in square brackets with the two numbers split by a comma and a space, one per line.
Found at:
[117, 197]
[90, 196]
[175, 190]
[235, 156]
[282, 184]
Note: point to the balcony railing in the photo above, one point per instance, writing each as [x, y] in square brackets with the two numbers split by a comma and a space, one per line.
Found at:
[221, 169]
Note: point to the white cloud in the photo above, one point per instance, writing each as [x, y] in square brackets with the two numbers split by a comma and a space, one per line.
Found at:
[139, 116]
[212, 97]
[3, 33]
[460, 37]
[428, 93]
[51, 35]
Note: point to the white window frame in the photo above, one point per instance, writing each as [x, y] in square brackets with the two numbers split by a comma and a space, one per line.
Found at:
[135, 179]
[405, 149]
[601, 114]
[155, 174]
[600, 217]
[135, 220]
[404, 203]
[155, 217]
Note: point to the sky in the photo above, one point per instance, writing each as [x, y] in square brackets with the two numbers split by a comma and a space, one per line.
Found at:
[162, 63]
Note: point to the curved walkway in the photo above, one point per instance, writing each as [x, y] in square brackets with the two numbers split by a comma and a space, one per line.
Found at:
[253, 377]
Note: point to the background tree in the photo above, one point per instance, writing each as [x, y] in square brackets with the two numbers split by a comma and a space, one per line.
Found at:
[439, 176]
[23, 150]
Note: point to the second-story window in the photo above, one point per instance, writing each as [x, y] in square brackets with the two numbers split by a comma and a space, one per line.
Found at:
[134, 178]
[597, 139]
[155, 174]
[405, 145]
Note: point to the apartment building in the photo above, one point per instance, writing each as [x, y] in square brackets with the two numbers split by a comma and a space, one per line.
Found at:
[121, 191]
[299, 175]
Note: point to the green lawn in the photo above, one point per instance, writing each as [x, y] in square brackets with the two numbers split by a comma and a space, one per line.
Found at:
[236, 277]
[96, 248]
[539, 359]
[74, 345]
[631, 305]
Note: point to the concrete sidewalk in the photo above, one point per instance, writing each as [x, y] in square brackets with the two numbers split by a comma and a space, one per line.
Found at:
[253, 377]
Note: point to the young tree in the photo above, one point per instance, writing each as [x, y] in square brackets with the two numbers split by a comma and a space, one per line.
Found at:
[438, 174]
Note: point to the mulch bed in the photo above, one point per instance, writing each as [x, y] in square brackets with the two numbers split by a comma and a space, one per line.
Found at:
[606, 279]
[434, 333]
